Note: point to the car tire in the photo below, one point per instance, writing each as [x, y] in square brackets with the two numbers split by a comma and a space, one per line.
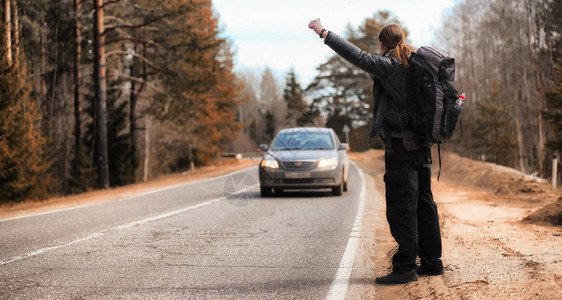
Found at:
[265, 192]
[345, 182]
[338, 190]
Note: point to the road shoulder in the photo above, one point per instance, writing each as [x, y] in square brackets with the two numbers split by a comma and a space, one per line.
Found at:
[376, 250]
[487, 251]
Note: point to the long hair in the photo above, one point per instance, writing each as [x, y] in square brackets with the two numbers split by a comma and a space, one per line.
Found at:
[393, 39]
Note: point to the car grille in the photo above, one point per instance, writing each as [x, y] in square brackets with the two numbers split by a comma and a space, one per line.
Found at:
[298, 165]
[306, 180]
[297, 181]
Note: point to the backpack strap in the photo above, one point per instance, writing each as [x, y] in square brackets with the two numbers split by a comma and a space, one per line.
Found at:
[439, 153]
[461, 123]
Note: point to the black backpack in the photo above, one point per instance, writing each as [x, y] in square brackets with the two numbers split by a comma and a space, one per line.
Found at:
[432, 98]
[433, 95]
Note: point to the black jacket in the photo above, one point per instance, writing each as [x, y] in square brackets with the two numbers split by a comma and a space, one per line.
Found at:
[390, 87]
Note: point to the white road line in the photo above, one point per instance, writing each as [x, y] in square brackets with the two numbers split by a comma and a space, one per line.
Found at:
[169, 214]
[130, 197]
[341, 281]
[43, 250]
[101, 233]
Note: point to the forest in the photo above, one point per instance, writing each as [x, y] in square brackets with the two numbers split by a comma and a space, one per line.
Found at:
[508, 57]
[103, 93]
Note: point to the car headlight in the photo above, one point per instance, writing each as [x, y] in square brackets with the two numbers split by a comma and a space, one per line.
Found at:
[270, 163]
[327, 162]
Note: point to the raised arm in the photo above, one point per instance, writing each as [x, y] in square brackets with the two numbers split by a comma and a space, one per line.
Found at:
[380, 66]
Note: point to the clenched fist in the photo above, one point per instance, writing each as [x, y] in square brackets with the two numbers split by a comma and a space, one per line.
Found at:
[316, 26]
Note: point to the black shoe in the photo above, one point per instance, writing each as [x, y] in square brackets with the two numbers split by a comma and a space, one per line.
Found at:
[423, 271]
[397, 278]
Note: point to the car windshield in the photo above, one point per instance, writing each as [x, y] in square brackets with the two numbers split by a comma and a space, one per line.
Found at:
[303, 141]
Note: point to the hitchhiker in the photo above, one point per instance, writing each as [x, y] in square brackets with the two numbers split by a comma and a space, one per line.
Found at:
[410, 209]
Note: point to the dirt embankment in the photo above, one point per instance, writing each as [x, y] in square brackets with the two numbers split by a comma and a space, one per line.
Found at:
[489, 250]
[12, 210]
[502, 184]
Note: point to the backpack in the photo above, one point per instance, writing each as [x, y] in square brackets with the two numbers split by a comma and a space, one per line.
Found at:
[433, 95]
[432, 98]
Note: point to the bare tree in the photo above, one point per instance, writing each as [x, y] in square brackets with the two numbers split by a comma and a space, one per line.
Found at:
[100, 94]
[510, 44]
[8, 30]
[77, 78]
[271, 103]
[16, 34]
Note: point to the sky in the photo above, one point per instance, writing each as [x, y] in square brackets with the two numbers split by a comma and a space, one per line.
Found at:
[275, 33]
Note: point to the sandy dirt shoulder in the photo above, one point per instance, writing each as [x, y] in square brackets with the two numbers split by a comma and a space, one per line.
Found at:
[13, 210]
[488, 252]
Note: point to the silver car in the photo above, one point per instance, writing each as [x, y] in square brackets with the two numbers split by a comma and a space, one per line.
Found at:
[304, 158]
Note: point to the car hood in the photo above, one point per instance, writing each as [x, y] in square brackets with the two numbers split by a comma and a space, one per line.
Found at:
[289, 155]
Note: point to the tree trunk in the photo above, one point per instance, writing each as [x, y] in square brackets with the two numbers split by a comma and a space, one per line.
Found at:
[77, 57]
[519, 139]
[42, 43]
[133, 99]
[540, 146]
[8, 31]
[100, 94]
[132, 120]
[541, 143]
[146, 147]
[191, 163]
[16, 35]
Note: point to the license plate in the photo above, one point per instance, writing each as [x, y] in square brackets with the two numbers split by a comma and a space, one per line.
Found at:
[297, 175]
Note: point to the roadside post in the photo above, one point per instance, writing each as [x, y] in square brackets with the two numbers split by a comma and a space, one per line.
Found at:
[346, 131]
[148, 123]
[146, 128]
[554, 170]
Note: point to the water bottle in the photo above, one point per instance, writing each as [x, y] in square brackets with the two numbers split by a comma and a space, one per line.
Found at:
[460, 102]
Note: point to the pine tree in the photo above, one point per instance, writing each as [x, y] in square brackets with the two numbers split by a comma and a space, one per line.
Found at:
[100, 89]
[218, 115]
[554, 113]
[490, 130]
[77, 166]
[272, 102]
[46, 39]
[201, 91]
[293, 93]
[269, 126]
[120, 158]
[22, 161]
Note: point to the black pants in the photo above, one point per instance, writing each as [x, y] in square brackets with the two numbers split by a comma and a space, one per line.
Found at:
[410, 209]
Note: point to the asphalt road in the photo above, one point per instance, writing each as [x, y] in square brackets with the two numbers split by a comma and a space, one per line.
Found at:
[186, 241]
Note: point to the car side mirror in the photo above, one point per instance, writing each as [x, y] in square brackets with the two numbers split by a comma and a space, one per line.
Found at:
[262, 148]
[344, 146]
